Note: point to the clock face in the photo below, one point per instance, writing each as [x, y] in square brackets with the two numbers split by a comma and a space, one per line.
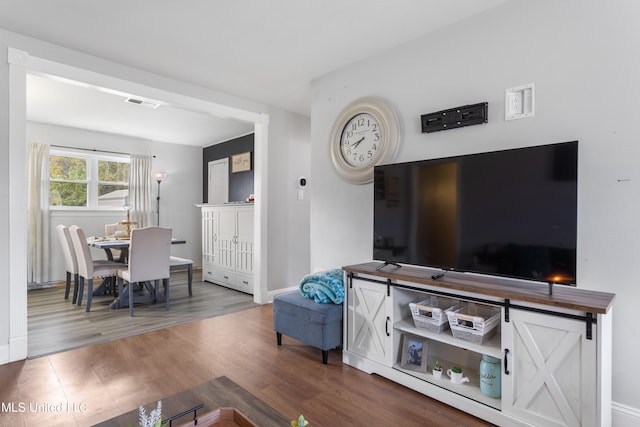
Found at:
[361, 141]
[365, 134]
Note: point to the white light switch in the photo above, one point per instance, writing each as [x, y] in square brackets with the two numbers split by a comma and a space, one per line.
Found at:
[519, 102]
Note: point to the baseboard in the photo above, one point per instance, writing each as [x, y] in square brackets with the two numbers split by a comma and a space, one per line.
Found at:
[4, 354]
[272, 294]
[15, 350]
[18, 348]
[624, 416]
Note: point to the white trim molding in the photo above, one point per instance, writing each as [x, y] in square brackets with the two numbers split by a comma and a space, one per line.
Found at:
[17, 57]
[272, 294]
[261, 167]
[4, 354]
[624, 416]
[17, 207]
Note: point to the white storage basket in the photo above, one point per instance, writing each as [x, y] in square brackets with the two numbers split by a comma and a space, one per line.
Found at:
[431, 313]
[474, 322]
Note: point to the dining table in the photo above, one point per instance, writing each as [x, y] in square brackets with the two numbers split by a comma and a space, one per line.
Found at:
[108, 285]
[109, 243]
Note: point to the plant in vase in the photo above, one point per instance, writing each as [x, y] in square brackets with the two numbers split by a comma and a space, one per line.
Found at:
[455, 374]
[437, 369]
[300, 423]
[154, 419]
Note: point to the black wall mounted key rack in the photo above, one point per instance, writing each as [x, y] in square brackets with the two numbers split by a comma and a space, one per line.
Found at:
[455, 117]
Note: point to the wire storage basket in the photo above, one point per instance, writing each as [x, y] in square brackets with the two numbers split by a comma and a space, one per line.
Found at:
[474, 322]
[431, 313]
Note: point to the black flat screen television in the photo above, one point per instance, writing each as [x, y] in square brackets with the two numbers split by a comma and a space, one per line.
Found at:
[509, 213]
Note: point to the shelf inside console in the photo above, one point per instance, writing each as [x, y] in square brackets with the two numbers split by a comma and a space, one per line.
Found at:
[491, 347]
[470, 390]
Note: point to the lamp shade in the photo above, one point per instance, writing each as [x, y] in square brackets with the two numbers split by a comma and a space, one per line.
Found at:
[160, 176]
[127, 204]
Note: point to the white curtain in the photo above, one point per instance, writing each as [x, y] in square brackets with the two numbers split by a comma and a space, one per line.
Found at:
[37, 213]
[140, 190]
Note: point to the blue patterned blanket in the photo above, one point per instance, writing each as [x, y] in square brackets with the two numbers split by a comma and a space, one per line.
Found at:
[324, 287]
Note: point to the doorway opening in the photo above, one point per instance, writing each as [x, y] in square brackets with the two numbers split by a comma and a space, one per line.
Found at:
[21, 64]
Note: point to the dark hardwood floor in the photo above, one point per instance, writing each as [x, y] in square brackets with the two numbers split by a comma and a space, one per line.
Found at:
[104, 380]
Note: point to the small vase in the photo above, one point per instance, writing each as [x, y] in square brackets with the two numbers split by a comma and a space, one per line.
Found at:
[437, 374]
[457, 377]
[490, 376]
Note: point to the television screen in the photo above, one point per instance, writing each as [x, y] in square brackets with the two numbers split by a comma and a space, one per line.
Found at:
[509, 213]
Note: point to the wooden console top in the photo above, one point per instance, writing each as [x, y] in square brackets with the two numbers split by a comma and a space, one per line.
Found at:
[563, 296]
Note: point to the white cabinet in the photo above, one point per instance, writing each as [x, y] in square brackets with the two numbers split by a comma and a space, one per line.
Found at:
[235, 239]
[551, 369]
[369, 321]
[227, 246]
[209, 223]
[554, 351]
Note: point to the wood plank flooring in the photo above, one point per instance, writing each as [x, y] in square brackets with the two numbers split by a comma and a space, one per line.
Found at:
[56, 325]
[102, 381]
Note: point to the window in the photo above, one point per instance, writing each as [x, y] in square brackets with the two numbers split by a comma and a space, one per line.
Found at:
[87, 180]
[67, 181]
[113, 183]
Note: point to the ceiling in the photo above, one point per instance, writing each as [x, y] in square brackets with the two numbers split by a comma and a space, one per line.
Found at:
[265, 51]
[61, 103]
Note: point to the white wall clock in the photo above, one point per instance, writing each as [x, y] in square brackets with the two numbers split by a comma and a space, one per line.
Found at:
[365, 134]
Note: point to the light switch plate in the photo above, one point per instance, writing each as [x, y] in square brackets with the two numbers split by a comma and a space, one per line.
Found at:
[520, 102]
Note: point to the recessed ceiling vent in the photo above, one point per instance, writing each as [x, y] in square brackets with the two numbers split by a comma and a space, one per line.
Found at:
[142, 103]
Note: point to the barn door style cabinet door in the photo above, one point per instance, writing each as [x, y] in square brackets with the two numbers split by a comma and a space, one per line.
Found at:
[228, 246]
[550, 374]
[553, 349]
[368, 321]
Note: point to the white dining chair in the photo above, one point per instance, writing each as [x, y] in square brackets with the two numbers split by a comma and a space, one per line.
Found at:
[110, 230]
[70, 261]
[88, 269]
[149, 254]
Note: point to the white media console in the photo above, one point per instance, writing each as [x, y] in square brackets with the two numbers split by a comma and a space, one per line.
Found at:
[554, 343]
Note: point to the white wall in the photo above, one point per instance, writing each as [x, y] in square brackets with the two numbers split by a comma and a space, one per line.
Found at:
[289, 158]
[178, 195]
[583, 58]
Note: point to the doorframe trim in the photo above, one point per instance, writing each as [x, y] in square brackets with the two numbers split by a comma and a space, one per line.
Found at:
[22, 63]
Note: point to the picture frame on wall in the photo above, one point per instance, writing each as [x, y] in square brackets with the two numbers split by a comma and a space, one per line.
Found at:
[241, 162]
[414, 353]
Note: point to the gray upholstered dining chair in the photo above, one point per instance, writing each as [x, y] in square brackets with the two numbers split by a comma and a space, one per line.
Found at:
[70, 261]
[88, 269]
[149, 253]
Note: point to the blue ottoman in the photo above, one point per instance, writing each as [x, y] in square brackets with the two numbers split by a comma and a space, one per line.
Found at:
[318, 325]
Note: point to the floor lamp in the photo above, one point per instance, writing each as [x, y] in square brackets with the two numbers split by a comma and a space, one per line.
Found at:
[159, 176]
